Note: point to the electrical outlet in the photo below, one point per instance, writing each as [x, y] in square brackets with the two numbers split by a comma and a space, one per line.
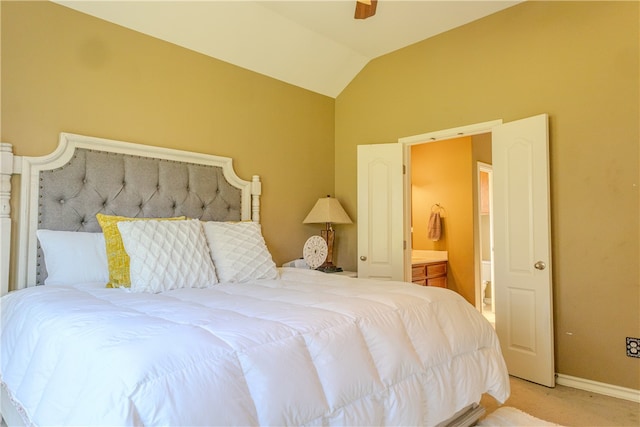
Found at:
[633, 347]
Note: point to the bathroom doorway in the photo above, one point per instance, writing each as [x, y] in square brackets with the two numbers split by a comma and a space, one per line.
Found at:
[445, 176]
[520, 165]
[484, 255]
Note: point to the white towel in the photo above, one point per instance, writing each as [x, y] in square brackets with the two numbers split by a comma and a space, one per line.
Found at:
[435, 226]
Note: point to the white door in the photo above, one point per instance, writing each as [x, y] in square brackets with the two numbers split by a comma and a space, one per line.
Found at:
[523, 292]
[381, 247]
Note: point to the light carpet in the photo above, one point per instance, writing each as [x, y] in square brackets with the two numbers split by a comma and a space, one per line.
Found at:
[507, 416]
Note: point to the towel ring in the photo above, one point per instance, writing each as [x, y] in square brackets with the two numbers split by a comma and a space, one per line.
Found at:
[437, 208]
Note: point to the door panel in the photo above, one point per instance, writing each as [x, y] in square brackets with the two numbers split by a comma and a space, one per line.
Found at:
[522, 248]
[380, 211]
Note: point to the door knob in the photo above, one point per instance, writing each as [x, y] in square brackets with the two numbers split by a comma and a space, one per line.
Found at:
[363, 258]
[540, 265]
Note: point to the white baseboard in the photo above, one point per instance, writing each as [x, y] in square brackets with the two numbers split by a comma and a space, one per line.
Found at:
[600, 388]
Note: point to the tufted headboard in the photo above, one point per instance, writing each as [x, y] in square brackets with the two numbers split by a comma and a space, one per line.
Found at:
[86, 175]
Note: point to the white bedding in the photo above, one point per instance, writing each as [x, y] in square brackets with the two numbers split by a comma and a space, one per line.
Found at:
[305, 349]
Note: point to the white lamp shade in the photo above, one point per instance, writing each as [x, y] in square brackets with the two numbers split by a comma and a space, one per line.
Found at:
[328, 210]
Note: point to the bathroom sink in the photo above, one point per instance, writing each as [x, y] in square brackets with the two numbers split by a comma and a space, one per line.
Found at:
[424, 256]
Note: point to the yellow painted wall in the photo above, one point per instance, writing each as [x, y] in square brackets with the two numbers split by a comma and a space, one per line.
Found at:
[578, 62]
[66, 71]
[441, 172]
[445, 172]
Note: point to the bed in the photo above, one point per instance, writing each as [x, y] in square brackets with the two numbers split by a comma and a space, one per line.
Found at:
[209, 331]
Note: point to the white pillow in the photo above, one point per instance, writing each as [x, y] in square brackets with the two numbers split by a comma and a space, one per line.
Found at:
[167, 255]
[73, 257]
[239, 251]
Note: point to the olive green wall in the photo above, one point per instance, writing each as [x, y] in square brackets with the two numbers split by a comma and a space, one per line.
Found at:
[578, 62]
[67, 71]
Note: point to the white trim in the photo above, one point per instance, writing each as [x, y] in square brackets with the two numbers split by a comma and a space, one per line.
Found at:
[598, 387]
[30, 168]
[456, 132]
[487, 168]
[407, 142]
[6, 169]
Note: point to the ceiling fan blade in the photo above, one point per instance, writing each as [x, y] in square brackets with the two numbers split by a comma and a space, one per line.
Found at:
[365, 8]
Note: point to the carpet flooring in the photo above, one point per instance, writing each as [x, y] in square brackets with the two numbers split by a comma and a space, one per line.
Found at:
[567, 406]
[506, 416]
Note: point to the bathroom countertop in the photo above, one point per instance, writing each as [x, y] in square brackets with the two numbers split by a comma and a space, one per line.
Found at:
[425, 256]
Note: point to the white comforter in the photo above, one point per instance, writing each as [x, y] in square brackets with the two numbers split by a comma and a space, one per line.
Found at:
[305, 349]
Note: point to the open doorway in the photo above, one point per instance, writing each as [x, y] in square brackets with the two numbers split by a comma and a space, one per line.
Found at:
[484, 254]
[522, 238]
[445, 176]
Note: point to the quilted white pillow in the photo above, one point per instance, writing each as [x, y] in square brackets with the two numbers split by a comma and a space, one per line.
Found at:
[239, 251]
[167, 255]
[73, 257]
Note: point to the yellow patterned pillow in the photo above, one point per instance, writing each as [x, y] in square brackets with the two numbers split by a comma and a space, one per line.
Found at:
[117, 257]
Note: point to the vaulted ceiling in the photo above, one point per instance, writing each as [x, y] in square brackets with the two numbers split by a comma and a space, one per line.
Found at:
[313, 44]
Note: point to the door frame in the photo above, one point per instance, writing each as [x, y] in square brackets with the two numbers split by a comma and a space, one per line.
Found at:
[424, 138]
[487, 168]
[540, 361]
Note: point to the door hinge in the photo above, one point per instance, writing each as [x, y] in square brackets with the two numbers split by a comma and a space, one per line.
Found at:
[404, 245]
[404, 170]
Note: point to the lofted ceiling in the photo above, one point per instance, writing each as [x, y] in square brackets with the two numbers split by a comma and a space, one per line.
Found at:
[313, 44]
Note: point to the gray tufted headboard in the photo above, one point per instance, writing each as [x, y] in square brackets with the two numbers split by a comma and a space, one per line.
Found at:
[86, 176]
[118, 184]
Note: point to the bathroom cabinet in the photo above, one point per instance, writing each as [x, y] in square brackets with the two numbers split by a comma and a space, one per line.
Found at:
[430, 274]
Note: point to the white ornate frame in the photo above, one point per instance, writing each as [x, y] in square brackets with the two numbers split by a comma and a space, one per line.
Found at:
[30, 167]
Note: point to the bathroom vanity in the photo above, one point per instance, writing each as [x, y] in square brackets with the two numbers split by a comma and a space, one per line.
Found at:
[429, 268]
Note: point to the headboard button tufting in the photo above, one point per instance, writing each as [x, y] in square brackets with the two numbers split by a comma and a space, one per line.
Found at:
[218, 199]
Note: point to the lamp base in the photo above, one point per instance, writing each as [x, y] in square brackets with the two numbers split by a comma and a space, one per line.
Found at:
[329, 268]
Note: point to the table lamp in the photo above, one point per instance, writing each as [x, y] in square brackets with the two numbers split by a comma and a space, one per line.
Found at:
[328, 210]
